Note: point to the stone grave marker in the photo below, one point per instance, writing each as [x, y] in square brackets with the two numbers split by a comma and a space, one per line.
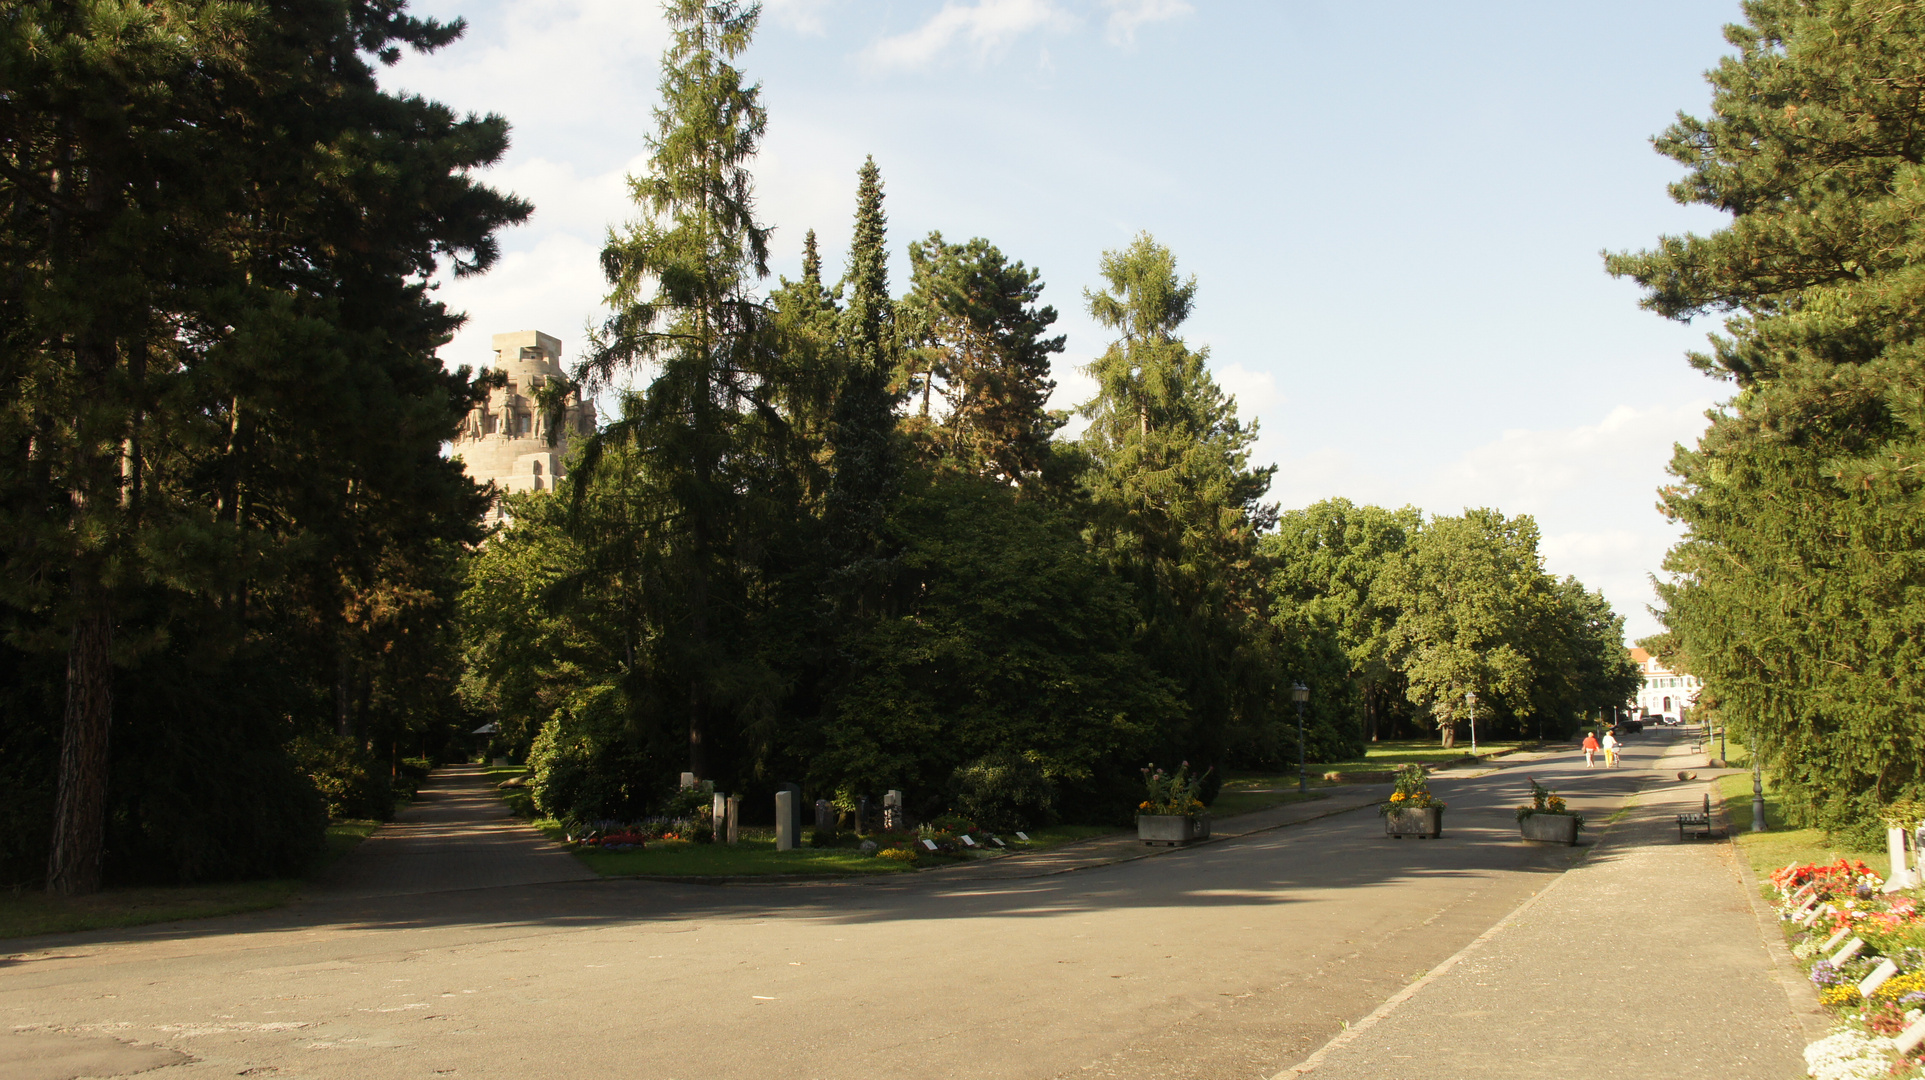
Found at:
[864, 824]
[967, 842]
[1885, 970]
[1023, 836]
[719, 815]
[688, 780]
[735, 819]
[795, 808]
[997, 841]
[1832, 942]
[1852, 948]
[786, 825]
[893, 819]
[930, 844]
[825, 821]
[1911, 1037]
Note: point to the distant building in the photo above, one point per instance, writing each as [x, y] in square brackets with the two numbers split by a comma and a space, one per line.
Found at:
[1665, 692]
[506, 438]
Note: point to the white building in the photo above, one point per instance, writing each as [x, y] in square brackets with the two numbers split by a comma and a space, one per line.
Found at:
[506, 438]
[1665, 692]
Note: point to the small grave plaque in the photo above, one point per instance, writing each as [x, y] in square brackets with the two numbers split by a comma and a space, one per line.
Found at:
[1885, 970]
[1851, 949]
[787, 829]
[1912, 1036]
[967, 842]
[998, 842]
[930, 844]
[688, 780]
[1832, 942]
[735, 819]
[1020, 835]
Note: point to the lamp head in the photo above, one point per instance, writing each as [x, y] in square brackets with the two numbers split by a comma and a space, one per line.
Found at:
[1299, 693]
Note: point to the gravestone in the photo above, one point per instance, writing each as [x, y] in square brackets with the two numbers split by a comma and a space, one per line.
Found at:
[1910, 1038]
[719, 815]
[1852, 948]
[735, 819]
[688, 780]
[930, 844]
[1023, 836]
[825, 821]
[1885, 970]
[786, 823]
[967, 842]
[863, 822]
[795, 808]
[893, 819]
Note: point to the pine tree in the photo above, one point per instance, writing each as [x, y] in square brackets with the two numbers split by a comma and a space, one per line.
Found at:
[708, 422]
[202, 198]
[980, 340]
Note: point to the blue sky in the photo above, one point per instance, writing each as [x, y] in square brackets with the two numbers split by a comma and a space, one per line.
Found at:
[1394, 211]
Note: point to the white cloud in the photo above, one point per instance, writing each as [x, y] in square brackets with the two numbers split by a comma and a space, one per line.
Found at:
[1127, 15]
[1255, 391]
[802, 16]
[984, 28]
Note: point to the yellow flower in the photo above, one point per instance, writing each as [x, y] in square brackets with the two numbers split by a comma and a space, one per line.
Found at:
[1143, 806]
[1396, 796]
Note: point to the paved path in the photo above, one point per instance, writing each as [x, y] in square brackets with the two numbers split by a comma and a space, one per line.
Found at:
[456, 834]
[1645, 960]
[1235, 959]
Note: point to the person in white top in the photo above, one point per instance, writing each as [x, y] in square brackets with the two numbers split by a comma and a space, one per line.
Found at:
[1610, 749]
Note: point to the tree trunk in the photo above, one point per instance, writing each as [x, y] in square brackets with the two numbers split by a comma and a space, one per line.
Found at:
[80, 809]
[1449, 734]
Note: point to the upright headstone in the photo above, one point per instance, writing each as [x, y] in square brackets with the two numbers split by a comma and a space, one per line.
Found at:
[719, 814]
[825, 821]
[688, 780]
[1896, 847]
[735, 819]
[795, 809]
[785, 823]
[863, 824]
[892, 817]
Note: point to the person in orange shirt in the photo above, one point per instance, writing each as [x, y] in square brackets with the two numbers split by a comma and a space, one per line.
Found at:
[1590, 749]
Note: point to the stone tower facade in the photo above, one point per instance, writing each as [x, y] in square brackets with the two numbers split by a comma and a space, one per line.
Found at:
[506, 438]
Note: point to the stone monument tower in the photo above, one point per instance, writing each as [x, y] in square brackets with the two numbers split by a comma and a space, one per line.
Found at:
[506, 438]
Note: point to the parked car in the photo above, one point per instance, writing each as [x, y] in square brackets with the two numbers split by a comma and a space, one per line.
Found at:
[1627, 726]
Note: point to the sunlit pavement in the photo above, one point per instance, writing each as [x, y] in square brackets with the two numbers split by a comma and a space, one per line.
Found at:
[1239, 958]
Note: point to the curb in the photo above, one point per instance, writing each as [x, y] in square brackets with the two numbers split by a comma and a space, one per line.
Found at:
[1799, 993]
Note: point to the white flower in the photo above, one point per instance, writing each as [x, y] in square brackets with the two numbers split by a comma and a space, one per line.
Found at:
[1849, 1055]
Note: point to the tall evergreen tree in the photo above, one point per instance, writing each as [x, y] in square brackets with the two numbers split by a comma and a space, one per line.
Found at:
[866, 468]
[1797, 588]
[1178, 506]
[680, 289]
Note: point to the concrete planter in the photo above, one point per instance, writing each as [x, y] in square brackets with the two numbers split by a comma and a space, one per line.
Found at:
[1550, 828]
[1427, 823]
[1172, 829]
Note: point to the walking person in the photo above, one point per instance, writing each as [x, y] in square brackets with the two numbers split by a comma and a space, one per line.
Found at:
[1611, 745]
[1590, 749]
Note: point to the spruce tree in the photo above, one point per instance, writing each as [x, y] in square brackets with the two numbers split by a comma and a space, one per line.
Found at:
[681, 285]
[1177, 504]
[866, 468]
[1795, 592]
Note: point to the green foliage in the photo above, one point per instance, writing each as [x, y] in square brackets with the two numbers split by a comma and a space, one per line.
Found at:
[1178, 793]
[1794, 594]
[1005, 792]
[349, 781]
[1011, 638]
[1412, 791]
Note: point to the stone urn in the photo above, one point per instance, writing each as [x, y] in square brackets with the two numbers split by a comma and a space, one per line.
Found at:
[1427, 822]
[1550, 828]
[1172, 829]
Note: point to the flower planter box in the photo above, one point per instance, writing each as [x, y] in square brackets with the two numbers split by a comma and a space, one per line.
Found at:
[1172, 829]
[1427, 823]
[1550, 828]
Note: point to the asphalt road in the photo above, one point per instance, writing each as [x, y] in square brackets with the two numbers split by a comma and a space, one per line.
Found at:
[1234, 959]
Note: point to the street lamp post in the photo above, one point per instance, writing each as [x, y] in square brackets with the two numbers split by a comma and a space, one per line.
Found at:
[1300, 693]
[1470, 696]
[1757, 787]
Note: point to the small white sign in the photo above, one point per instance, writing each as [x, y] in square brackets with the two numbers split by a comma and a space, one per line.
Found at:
[997, 842]
[930, 844]
[1912, 1036]
[1022, 836]
[1850, 950]
[1885, 970]
[967, 842]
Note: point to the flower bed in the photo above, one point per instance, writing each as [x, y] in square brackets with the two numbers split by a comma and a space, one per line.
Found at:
[1865, 952]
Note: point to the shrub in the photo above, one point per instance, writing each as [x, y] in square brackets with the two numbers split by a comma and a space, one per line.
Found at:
[1005, 792]
[349, 781]
[896, 854]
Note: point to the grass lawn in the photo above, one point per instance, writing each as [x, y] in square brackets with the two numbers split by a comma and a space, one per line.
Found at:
[1394, 752]
[1250, 793]
[1771, 850]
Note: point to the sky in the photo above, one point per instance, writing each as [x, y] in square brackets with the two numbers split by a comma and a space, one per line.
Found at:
[1395, 213]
